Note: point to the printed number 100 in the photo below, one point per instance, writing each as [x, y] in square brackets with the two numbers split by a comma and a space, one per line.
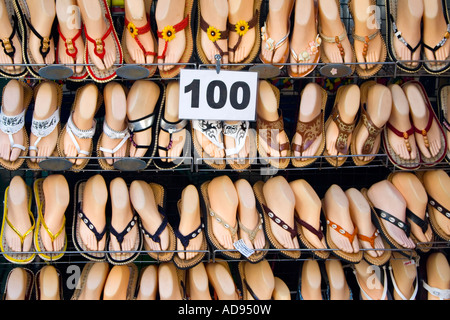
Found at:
[219, 101]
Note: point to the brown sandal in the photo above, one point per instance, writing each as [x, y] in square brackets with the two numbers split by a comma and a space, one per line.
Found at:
[264, 131]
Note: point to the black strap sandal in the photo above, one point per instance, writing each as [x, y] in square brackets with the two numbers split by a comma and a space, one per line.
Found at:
[7, 43]
[390, 218]
[139, 125]
[121, 235]
[423, 224]
[98, 235]
[171, 128]
[44, 48]
[185, 239]
[156, 236]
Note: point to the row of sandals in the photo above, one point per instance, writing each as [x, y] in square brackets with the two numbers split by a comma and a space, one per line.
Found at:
[397, 219]
[328, 280]
[141, 122]
[230, 29]
[406, 212]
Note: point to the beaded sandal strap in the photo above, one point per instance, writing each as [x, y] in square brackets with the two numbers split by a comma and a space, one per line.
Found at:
[365, 40]
[398, 34]
[440, 44]
[252, 233]
[405, 135]
[156, 236]
[280, 222]
[337, 40]
[89, 224]
[424, 132]
[121, 235]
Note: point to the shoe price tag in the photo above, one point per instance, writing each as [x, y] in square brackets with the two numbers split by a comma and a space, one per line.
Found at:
[227, 95]
[243, 249]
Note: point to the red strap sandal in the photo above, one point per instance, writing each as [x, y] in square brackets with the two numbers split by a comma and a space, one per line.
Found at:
[99, 49]
[136, 31]
[168, 34]
[71, 48]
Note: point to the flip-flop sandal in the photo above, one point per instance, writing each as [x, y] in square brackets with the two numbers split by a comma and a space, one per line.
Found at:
[74, 132]
[427, 64]
[213, 34]
[239, 132]
[135, 32]
[72, 51]
[423, 224]
[185, 239]
[394, 158]
[374, 132]
[24, 15]
[44, 254]
[367, 73]
[309, 132]
[102, 76]
[258, 255]
[378, 216]
[272, 46]
[320, 254]
[248, 293]
[423, 131]
[345, 130]
[264, 131]
[42, 128]
[37, 284]
[169, 33]
[209, 215]
[443, 96]
[211, 130]
[123, 136]
[303, 57]
[395, 286]
[337, 39]
[7, 43]
[170, 128]
[436, 209]
[80, 217]
[81, 284]
[28, 286]
[241, 28]
[166, 255]
[379, 260]
[268, 216]
[392, 31]
[349, 257]
[19, 125]
[17, 258]
[145, 123]
[386, 295]
[124, 257]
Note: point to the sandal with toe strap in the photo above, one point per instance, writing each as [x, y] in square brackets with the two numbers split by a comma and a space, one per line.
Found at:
[251, 233]
[124, 257]
[212, 131]
[317, 232]
[171, 128]
[273, 46]
[123, 136]
[354, 257]
[185, 240]
[72, 51]
[379, 260]
[239, 132]
[313, 49]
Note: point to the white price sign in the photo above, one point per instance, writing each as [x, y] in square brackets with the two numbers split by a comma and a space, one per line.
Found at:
[208, 95]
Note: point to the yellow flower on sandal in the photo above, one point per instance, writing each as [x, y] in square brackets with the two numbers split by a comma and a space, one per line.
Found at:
[132, 29]
[242, 27]
[213, 34]
[168, 33]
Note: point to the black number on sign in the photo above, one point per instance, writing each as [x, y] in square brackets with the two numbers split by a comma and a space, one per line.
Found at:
[194, 87]
[210, 93]
[245, 95]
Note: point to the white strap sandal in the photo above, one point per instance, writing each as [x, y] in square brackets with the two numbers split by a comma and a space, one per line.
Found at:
[42, 128]
[385, 286]
[73, 132]
[212, 130]
[400, 294]
[113, 134]
[11, 125]
[239, 133]
[442, 294]
[270, 43]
